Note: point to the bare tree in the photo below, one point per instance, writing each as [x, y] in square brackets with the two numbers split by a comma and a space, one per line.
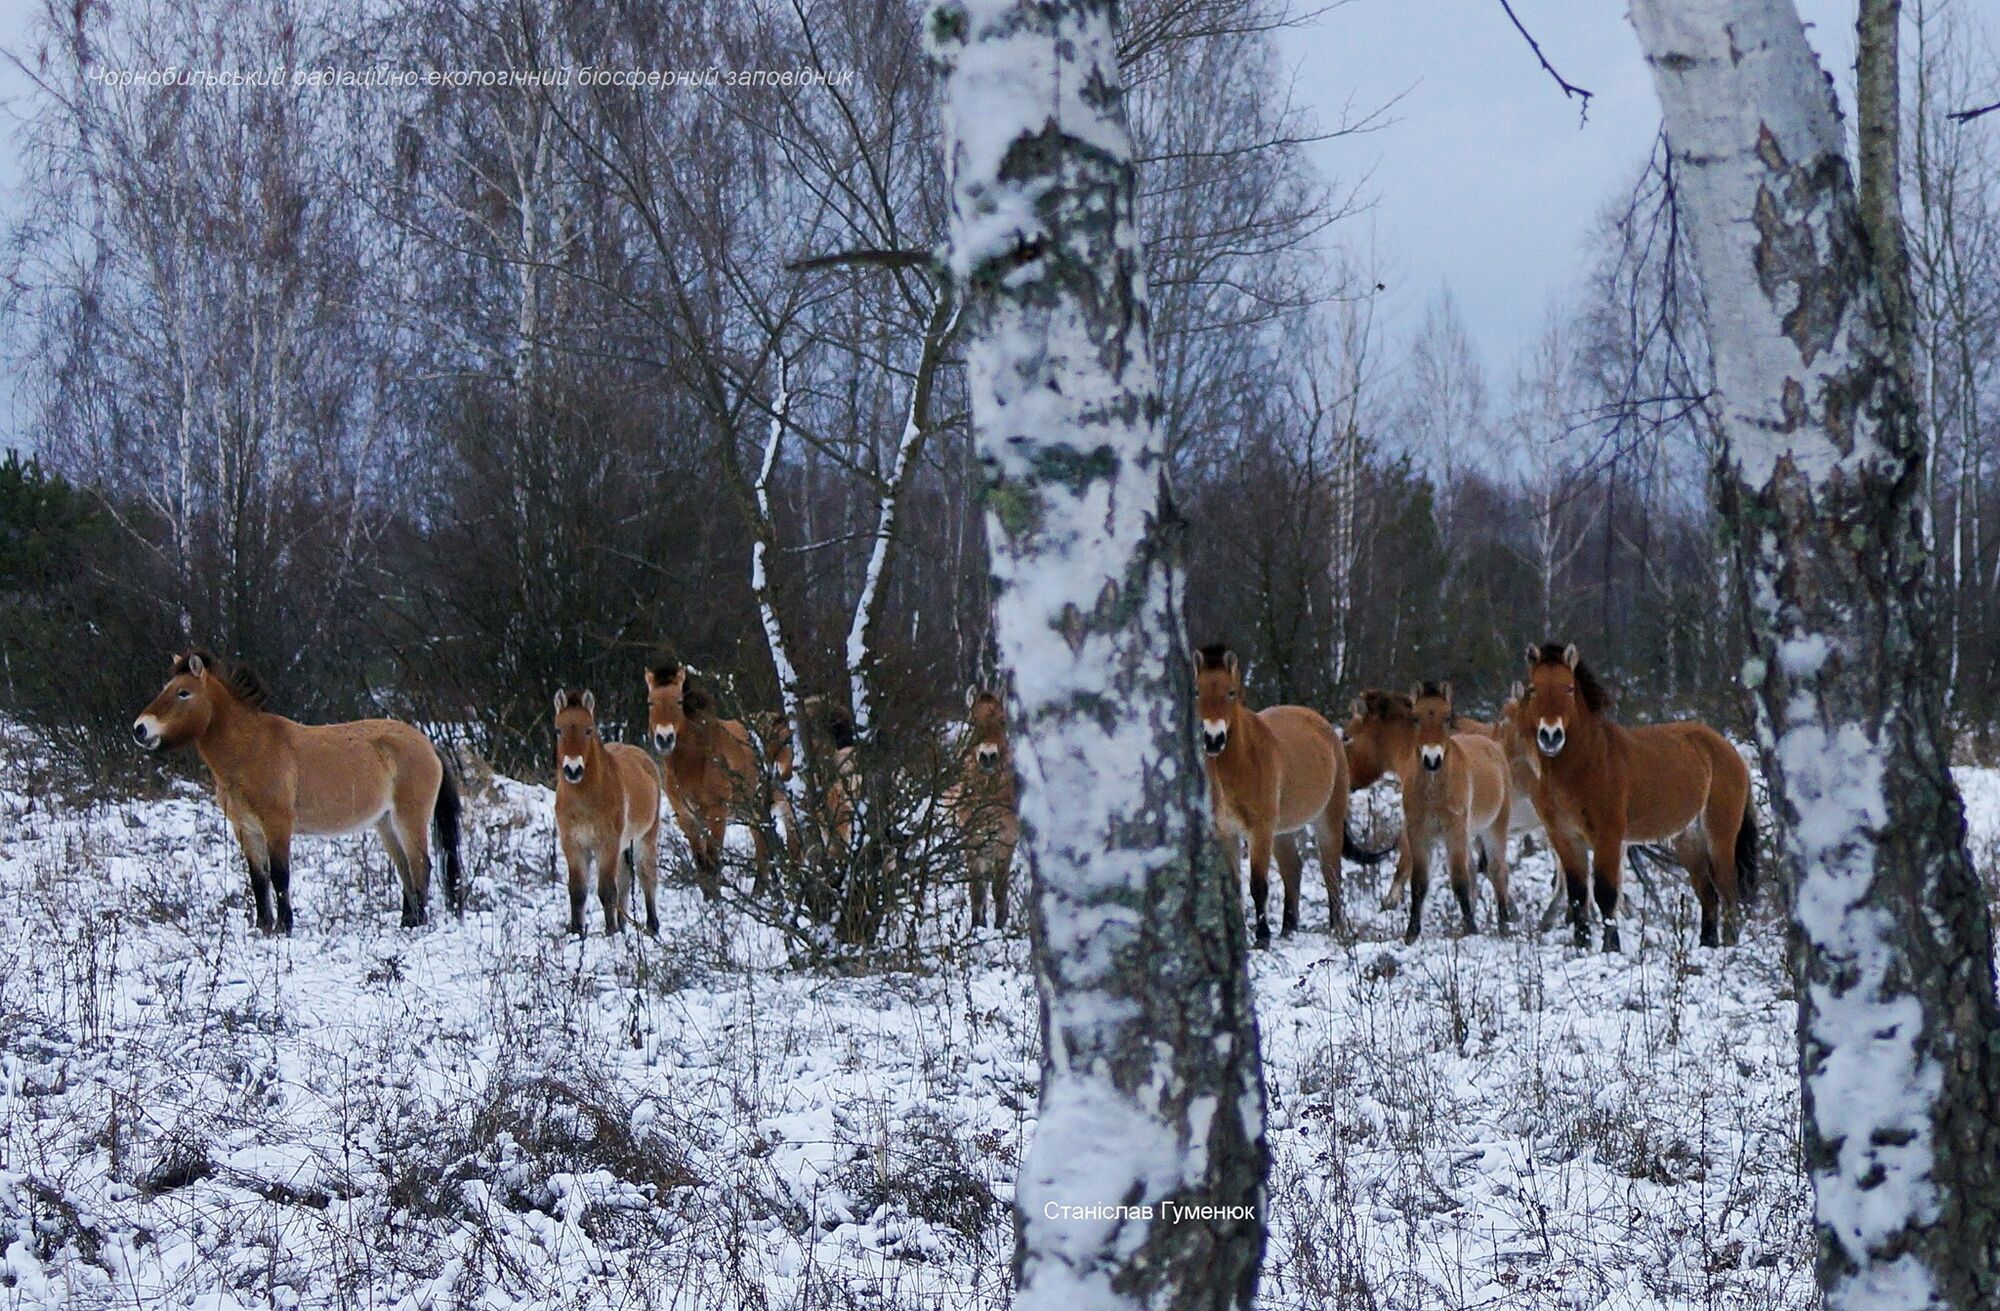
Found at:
[1152, 1091]
[1811, 323]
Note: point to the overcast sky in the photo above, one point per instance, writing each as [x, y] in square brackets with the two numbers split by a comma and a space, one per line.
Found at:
[1483, 180]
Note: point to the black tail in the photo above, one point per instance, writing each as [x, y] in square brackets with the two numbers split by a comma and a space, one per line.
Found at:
[1350, 847]
[1746, 854]
[444, 824]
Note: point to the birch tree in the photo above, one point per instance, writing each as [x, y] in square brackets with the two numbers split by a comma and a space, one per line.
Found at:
[1822, 478]
[1145, 1181]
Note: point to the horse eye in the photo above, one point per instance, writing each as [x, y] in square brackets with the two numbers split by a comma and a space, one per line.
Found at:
[1232, 694]
[184, 694]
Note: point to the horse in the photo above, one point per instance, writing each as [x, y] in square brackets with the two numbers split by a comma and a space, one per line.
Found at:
[607, 814]
[983, 803]
[1456, 790]
[1604, 786]
[711, 769]
[1270, 774]
[276, 779]
[1473, 812]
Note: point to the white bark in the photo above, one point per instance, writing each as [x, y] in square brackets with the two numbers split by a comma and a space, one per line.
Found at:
[1823, 477]
[1152, 1092]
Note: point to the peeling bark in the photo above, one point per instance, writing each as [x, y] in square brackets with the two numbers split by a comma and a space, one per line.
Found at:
[1821, 478]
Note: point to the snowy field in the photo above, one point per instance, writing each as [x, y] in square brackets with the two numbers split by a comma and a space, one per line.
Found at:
[486, 1114]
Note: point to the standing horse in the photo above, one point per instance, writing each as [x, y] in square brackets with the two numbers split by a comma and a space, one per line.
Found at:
[1455, 790]
[276, 779]
[1604, 785]
[607, 815]
[711, 769]
[983, 803]
[1270, 774]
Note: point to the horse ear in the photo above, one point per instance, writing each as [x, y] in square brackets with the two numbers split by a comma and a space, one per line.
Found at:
[1358, 709]
[1570, 656]
[589, 703]
[562, 701]
[680, 678]
[971, 695]
[1444, 690]
[1534, 655]
[195, 664]
[1234, 666]
[651, 682]
[1416, 690]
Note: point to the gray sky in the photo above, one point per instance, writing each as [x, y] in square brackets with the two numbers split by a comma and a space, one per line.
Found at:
[1484, 181]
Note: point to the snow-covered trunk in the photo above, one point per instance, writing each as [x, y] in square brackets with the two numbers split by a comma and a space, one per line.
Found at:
[1152, 1100]
[1822, 481]
[790, 697]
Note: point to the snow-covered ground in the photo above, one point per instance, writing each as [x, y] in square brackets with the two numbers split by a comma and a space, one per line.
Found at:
[490, 1114]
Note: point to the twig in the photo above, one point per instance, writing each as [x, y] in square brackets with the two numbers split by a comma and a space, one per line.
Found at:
[1967, 115]
[1569, 88]
[887, 259]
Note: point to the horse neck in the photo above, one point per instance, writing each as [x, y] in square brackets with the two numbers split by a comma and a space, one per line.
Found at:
[230, 743]
[1248, 745]
[1598, 737]
[696, 748]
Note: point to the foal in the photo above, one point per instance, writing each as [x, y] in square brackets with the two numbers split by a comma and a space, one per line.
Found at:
[1604, 786]
[276, 779]
[1456, 791]
[983, 803]
[1270, 774]
[607, 814]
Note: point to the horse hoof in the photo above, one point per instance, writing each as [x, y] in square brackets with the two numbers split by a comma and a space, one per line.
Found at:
[1610, 939]
[1263, 935]
[1409, 937]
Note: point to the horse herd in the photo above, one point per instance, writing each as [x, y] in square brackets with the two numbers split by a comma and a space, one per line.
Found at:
[1553, 760]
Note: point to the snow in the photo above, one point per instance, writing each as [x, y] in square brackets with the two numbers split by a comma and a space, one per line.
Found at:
[1495, 1121]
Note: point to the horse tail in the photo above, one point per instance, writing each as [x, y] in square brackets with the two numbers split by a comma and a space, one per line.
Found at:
[445, 816]
[1350, 847]
[1746, 852]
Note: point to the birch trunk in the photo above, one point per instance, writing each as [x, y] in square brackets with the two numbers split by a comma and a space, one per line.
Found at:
[1152, 1093]
[1821, 478]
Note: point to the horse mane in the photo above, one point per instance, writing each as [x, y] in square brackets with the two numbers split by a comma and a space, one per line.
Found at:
[839, 724]
[1377, 704]
[665, 673]
[1595, 698]
[1215, 655]
[696, 703]
[242, 681]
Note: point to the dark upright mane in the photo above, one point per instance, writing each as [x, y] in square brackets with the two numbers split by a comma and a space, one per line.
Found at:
[665, 673]
[1595, 698]
[241, 680]
[695, 700]
[572, 697]
[1377, 704]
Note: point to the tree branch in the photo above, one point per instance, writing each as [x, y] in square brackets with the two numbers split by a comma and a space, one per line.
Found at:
[1569, 88]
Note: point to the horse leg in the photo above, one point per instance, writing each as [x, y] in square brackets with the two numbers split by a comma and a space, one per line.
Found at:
[399, 860]
[649, 877]
[1721, 826]
[1399, 882]
[1260, 881]
[611, 884]
[280, 874]
[999, 871]
[717, 829]
[1574, 860]
[1327, 835]
[578, 861]
[1608, 878]
[1420, 882]
[1494, 844]
[414, 834]
[976, 868]
[1692, 853]
[1290, 865]
[1458, 855]
[257, 856]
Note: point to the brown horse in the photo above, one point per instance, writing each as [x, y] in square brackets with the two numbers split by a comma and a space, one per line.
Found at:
[607, 814]
[1453, 792]
[1270, 774]
[276, 779]
[983, 803]
[711, 772]
[1604, 785]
